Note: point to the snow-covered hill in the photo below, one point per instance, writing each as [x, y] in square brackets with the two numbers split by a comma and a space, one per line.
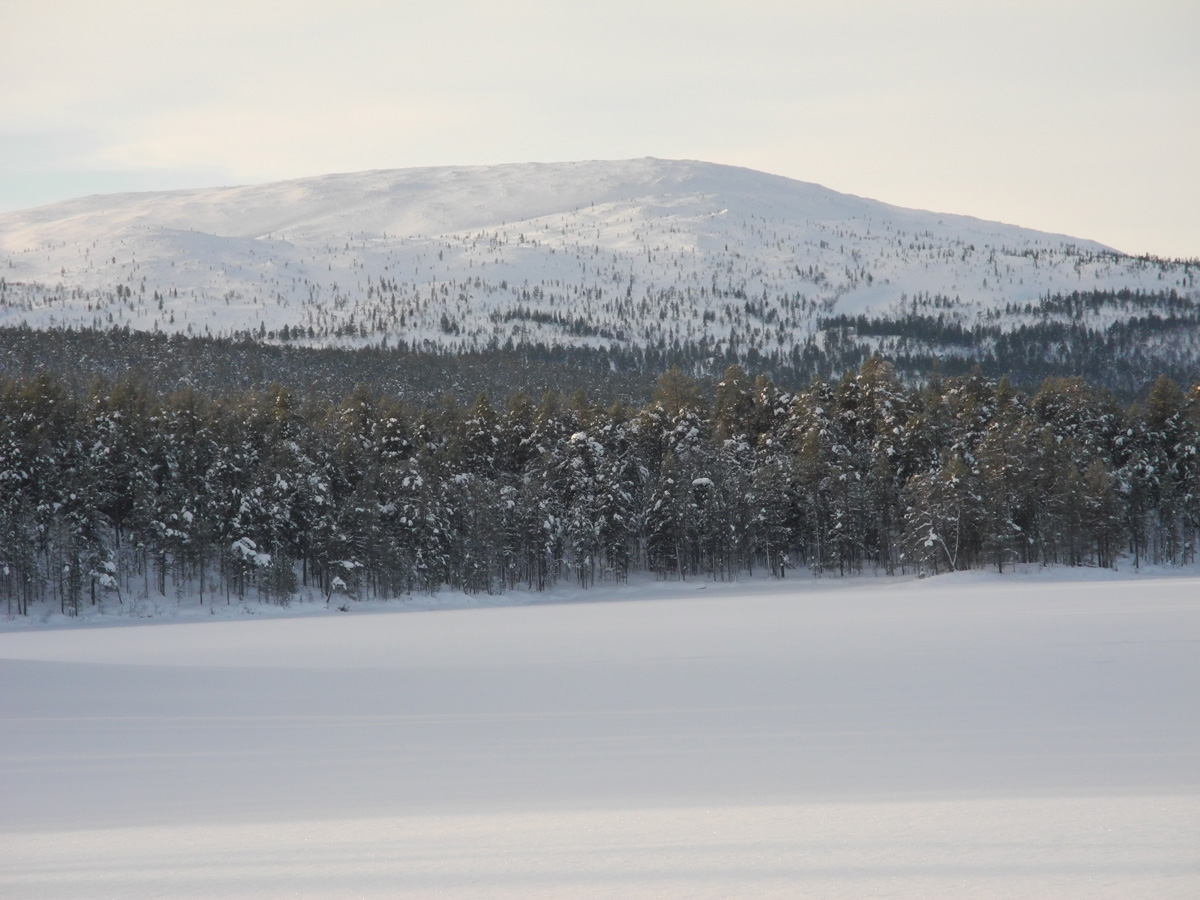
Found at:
[634, 253]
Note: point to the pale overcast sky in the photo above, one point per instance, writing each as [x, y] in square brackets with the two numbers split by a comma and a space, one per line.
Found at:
[1075, 117]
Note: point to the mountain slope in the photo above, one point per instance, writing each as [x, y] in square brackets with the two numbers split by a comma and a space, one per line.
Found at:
[432, 201]
[631, 254]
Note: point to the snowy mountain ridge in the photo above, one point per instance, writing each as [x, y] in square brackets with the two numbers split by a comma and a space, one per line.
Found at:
[439, 200]
[635, 253]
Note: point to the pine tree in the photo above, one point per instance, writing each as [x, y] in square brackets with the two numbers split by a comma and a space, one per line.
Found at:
[943, 515]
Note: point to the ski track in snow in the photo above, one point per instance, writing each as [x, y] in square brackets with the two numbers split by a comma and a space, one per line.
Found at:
[1027, 735]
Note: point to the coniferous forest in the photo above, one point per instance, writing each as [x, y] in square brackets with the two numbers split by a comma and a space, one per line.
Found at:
[119, 487]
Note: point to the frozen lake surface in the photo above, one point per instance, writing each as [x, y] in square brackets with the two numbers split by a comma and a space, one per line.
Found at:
[969, 736]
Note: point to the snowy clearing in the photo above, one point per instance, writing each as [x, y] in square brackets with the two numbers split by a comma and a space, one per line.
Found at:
[971, 736]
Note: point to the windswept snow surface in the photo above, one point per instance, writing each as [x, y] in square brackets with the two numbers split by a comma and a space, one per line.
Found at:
[969, 736]
[622, 254]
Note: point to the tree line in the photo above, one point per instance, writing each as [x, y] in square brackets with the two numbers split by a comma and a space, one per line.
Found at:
[1118, 340]
[117, 490]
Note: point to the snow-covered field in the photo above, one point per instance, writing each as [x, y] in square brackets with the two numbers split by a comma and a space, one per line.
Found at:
[1029, 735]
